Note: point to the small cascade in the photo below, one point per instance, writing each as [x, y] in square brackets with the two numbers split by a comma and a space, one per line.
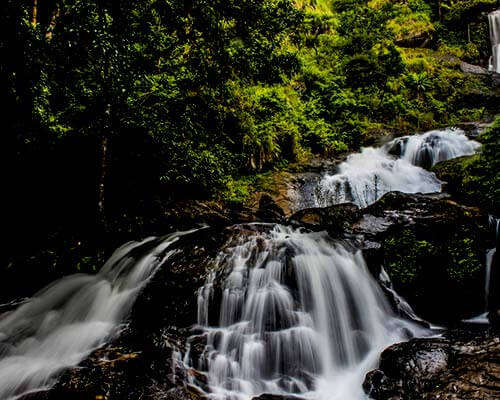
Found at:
[428, 149]
[62, 324]
[495, 224]
[494, 21]
[490, 255]
[397, 166]
[298, 314]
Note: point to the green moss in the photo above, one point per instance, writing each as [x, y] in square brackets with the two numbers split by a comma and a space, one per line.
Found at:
[241, 189]
[405, 255]
[475, 179]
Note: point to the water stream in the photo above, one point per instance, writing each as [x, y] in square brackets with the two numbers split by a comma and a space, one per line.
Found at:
[396, 166]
[58, 327]
[299, 314]
[494, 21]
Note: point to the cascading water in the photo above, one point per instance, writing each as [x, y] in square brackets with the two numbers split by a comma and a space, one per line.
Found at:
[397, 166]
[62, 324]
[299, 314]
[490, 254]
[494, 20]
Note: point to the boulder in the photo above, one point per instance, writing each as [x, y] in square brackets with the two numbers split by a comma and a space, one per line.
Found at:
[461, 365]
[472, 69]
[432, 248]
[268, 210]
[335, 219]
[415, 40]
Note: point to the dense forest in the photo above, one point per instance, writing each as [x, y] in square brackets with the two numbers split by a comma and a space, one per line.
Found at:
[250, 200]
[113, 110]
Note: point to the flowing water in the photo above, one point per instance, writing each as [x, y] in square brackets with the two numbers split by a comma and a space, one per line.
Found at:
[299, 314]
[490, 254]
[62, 324]
[396, 166]
[296, 312]
[494, 21]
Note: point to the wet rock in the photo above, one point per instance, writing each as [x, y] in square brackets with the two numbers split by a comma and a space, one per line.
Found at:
[268, 396]
[268, 210]
[185, 214]
[473, 129]
[455, 367]
[432, 248]
[335, 219]
[473, 69]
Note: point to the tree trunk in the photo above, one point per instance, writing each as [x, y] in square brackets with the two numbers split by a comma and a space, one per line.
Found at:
[52, 24]
[440, 10]
[35, 12]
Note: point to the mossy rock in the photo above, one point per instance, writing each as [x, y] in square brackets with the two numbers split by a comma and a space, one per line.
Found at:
[434, 251]
[467, 181]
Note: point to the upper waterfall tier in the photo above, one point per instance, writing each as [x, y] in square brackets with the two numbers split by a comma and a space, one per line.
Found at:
[397, 166]
[494, 20]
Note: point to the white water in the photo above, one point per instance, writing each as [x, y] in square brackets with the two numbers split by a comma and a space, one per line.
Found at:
[299, 315]
[490, 254]
[366, 176]
[63, 323]
[494, 20]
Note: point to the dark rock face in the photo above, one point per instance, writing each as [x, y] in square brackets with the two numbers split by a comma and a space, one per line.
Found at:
[335, 219]
[432, 248]
[455, 367]
[269, 210]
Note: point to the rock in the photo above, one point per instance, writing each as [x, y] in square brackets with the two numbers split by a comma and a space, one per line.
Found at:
[418, 39]
[494, 317]
[268, 210]
[472, 129]
[472, 69]
[268, 396]
[432, 248]
[335, 219]
[186, 214]
[454, 367]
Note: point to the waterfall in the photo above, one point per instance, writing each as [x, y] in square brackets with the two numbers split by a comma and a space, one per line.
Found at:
[490, 254]
[494, 20]
[296, 313]
[299, 314]
[397, 166]
[495, 224]
[63, 323]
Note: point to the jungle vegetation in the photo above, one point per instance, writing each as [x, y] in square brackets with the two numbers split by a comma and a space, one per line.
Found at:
[111, 109]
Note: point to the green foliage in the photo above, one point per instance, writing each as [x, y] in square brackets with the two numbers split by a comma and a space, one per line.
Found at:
[153, 100]
[475, 180]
